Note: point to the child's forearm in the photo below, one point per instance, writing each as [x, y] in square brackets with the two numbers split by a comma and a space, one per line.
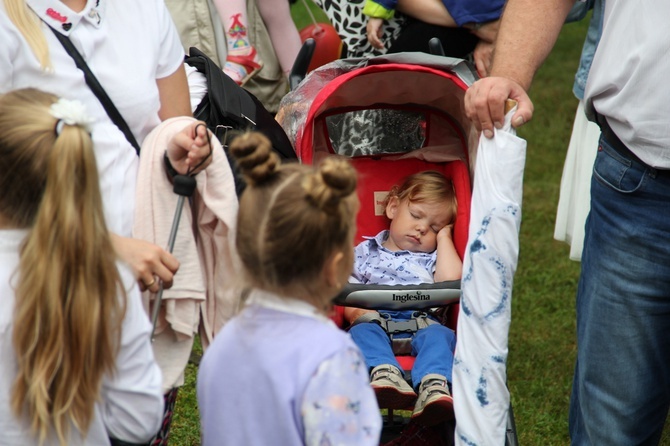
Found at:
[448, 265]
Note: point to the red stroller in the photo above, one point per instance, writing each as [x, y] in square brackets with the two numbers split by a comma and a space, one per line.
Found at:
[393, 116]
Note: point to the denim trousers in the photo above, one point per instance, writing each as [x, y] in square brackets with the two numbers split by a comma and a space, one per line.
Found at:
[432, 346]
[621, 386]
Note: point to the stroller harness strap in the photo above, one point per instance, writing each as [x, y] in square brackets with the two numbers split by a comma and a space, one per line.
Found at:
[401, 346]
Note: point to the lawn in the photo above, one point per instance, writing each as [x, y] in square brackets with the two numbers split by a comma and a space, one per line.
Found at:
[542, 338]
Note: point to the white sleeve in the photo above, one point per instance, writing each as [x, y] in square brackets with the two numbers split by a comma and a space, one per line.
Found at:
[132, 399]
[339, 406]
[170, 50]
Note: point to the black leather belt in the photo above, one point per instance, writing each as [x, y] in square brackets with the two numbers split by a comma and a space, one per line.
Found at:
[624, 151]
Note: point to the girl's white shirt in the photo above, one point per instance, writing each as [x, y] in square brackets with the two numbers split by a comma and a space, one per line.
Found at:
[128, 45]
[131, 402]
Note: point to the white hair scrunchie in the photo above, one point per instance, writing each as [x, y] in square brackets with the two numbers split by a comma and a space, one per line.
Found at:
[70, 112]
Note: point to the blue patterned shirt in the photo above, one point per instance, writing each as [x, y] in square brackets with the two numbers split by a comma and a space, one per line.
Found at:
[375, 264]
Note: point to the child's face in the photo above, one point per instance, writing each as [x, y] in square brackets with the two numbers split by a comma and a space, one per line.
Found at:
[414, 225]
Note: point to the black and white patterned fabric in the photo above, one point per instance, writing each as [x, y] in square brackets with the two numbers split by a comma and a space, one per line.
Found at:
[348, 19]
[376, 131]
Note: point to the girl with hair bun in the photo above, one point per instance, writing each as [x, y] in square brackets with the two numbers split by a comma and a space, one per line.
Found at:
[281, 372]
[76, 363]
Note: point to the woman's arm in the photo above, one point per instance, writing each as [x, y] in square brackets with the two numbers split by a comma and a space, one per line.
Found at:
[174, 96]
[429, 11]
[190, 147]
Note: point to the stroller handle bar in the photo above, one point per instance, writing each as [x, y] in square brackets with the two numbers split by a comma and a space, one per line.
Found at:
[399, 297]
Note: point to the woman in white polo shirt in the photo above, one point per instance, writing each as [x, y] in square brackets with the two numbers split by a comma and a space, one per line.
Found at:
[134, 51]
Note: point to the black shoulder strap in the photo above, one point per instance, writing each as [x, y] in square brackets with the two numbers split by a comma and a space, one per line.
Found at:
[97, 89]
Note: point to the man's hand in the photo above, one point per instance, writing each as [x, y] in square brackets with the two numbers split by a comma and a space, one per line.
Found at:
[485, 103]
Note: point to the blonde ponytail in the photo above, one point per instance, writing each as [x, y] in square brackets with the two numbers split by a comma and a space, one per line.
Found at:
[68, 313]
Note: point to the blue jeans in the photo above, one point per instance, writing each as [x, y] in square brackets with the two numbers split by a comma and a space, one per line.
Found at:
[621, 387]
[433, 347]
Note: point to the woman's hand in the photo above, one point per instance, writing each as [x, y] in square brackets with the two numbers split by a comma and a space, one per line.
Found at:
[483, 56]
[190, 150]
[150, 263]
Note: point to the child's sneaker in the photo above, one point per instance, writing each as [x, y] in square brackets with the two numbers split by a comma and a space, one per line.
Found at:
[435, 404]
[390, 387]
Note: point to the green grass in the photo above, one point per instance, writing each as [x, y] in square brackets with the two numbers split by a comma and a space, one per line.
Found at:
[542, 335]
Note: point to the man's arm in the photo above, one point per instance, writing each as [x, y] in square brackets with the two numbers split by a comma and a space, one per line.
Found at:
[528, 32]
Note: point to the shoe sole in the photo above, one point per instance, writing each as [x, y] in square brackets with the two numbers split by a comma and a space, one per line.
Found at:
[437, 412]
[392, 398]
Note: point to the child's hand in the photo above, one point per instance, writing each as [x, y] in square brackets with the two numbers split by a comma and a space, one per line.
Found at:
[445, 234]
[448, 265]
[353, 313]
[374, 30]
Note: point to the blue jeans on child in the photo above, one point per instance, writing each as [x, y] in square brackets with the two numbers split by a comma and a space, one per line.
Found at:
[621, 387]
[432, 346]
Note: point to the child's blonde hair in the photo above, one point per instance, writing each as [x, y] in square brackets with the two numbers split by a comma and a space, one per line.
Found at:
[428, 186]
[67, 311]
[292, 217]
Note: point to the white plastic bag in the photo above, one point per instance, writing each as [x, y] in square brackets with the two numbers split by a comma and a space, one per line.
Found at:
[481, 398]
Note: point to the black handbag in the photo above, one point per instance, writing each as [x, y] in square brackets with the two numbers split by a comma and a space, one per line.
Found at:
[97, 89]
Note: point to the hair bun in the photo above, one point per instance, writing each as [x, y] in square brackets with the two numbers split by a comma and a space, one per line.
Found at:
[255, 157]
[334, 180]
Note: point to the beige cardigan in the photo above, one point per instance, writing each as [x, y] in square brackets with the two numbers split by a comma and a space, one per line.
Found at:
[198, 25]
[201, 298]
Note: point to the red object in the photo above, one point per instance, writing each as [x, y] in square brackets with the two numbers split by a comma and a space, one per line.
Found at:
[328, 43]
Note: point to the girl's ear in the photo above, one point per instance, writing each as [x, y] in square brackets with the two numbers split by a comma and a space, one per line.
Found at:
[332, 270]
[392, 207]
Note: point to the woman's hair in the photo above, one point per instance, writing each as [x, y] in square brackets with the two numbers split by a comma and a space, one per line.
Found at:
[428, 186]
[67, 311]
[28, 25]
[292, 217]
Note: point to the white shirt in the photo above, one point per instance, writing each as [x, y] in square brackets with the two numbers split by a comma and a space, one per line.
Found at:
[131, 402]
[128, 45]
[628, 78]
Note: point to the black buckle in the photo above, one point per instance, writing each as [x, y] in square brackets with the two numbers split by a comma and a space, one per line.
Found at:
[395, 327]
